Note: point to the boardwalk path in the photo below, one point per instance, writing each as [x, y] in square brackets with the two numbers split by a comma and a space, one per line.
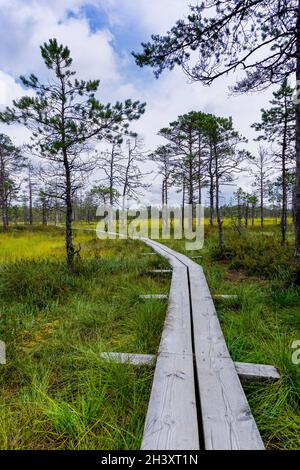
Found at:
[197, 400]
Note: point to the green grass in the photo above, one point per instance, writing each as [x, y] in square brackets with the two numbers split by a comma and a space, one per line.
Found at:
[55, 391]
[261, 324]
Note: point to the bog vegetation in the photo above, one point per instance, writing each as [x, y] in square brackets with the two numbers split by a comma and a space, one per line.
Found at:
[55, 391]
[66, 296]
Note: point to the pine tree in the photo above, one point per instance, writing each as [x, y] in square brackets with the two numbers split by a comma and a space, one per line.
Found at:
[263, 169]
[65, 117]
[11, 164]
[258, 36]
[278, 126]
[165, 159]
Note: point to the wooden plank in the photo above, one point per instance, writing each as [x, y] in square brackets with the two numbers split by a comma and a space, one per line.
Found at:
[171, 421]
[248, 371]
[127, 358]
[153, 296]
[164, 251]
[227, 420]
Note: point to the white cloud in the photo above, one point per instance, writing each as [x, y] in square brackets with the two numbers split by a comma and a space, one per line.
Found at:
[10, 90]
[25, 26]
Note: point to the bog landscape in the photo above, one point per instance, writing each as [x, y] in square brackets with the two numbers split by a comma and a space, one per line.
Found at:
[150, 242]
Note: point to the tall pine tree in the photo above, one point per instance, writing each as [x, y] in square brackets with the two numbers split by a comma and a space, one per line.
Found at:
[278, 126]
[260, 37]
[65, 117]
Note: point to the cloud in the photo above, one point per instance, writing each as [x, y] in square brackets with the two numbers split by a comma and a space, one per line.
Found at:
[104, 52]
[10, 90]
[154, 16]
[26, 25]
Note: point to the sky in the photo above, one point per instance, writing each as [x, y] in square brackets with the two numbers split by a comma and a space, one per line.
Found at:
[101, 35]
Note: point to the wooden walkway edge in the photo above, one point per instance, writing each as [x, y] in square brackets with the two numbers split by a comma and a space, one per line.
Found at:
[197, 400]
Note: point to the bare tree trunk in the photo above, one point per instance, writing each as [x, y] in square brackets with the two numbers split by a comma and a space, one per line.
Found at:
[183, 202]
[211, 203]
[199, 170]
[69, 214]
[30, 196]
[284, 203]
[246, 214]
[44, 212]
[219, 220]
[191, 186]
[25, 213]
[111, 176]
[297, 186]
[125, 187]
[5, 220]
[211, 189]
[239, 209]
[163, 193]
[261, 199]
[284, 185]
[166, 191]
[3, 193]
[252, 215]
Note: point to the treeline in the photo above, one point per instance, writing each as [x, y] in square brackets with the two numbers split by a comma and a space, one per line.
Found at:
[200, 155]
[66, 121]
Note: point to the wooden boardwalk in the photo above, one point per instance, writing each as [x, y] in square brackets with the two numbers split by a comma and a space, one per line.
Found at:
[197, 400]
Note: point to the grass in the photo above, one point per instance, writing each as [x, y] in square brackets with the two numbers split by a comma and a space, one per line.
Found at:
[261, 324]
[55, 391]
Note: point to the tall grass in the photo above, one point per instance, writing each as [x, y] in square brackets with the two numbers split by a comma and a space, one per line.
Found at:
[55, 390]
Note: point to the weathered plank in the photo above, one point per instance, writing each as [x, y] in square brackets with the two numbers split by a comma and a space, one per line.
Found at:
[224, 296]
[248, 371]
[228, 423]
[171, 421]
[153, 296]
[127, 358]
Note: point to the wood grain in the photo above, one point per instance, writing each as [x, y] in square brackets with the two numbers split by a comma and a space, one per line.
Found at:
[128, 358]
[248, 371]
[227, 422]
